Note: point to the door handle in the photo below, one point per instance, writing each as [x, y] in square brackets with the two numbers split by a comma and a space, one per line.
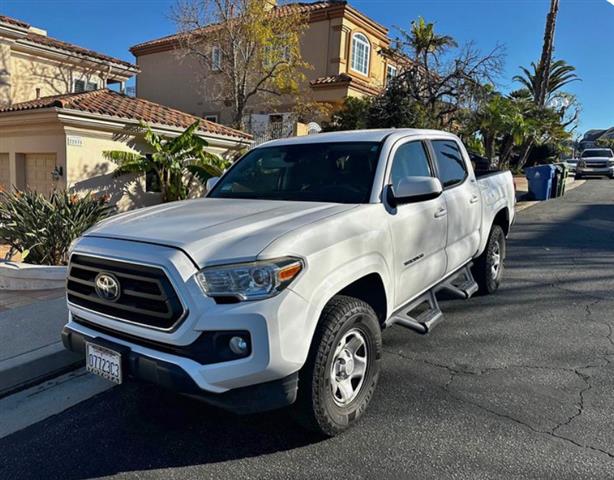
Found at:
[474, 199]
[441, 213]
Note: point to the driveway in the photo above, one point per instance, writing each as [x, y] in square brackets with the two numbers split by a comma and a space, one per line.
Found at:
[515, 385]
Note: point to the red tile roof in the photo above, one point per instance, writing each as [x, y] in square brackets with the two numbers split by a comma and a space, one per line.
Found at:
[313, 9]
[346, 80]
[109, 103]
[13, 21]
[32, 37]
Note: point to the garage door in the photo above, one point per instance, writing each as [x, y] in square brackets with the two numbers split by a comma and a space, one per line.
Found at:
[5, 175]
[38, 172]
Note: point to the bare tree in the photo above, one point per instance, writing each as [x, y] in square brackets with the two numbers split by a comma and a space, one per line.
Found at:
[441, 78]
[248, 50]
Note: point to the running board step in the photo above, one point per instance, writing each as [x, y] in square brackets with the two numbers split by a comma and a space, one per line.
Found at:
[462, 285]
[423, 314]
[420, 315]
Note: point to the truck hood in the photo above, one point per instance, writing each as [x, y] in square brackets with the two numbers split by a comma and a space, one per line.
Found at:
[212, 230]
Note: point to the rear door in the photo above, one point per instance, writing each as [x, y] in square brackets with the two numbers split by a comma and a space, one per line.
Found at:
[463, 202]
[418, 229]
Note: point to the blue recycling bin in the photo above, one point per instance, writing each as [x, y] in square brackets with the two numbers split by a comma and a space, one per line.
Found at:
[540, 180]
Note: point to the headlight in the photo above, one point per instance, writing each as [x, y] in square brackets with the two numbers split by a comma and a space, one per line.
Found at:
[582, 164]
[249, 281]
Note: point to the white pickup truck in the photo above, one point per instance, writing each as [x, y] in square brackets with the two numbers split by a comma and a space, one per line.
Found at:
[275, 288]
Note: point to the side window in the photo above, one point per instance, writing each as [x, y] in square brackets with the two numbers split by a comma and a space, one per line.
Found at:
[450, 162]
[410, 160]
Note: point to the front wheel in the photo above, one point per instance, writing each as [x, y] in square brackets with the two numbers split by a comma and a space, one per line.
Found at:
[488, 268]
[337, 382]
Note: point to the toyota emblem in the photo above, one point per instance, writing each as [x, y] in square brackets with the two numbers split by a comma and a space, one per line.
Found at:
[107, 286]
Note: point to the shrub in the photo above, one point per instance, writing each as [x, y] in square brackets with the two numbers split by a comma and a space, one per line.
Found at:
[42, 228]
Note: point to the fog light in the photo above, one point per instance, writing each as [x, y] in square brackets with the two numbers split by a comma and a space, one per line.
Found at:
[238, 345]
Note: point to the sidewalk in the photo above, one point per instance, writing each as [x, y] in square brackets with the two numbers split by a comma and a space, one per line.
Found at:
[522, 190]
[30, 345]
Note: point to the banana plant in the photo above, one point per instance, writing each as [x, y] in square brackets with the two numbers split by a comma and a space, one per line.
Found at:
[175, 161]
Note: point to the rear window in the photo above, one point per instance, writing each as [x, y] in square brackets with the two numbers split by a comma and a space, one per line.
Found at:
[598, 152]
[450, 163]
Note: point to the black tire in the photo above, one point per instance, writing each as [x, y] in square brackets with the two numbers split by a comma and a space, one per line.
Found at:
[317, 407]
[485, 275]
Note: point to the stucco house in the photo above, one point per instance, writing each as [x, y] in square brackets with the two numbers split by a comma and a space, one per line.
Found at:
[57, 142]
[57, 116]
[35, 65]
[342, 45]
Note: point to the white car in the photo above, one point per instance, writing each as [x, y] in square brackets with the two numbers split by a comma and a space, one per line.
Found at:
[275, 288]
[596, 161]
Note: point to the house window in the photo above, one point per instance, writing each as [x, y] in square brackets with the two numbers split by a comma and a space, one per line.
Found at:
[83, 86]
[361, 50]
[216, 59]
[391, 72]
[211, 118]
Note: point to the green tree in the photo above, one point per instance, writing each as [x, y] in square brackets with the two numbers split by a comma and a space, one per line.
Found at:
[176, 162]
[351, 116]
[605, 142]
[561, 74]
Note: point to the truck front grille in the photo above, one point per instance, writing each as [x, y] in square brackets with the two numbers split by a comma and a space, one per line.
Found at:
[144, 294]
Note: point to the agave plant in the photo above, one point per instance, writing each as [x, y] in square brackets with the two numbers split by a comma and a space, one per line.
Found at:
[175, 161]
[42, 228]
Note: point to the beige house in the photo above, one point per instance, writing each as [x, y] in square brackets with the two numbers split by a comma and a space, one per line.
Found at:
[34, 65]
[58, 142]
[342, 44]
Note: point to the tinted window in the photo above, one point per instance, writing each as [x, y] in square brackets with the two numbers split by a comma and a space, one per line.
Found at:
[601, 152]
[319, 172]
[450, 162]
[410, 160]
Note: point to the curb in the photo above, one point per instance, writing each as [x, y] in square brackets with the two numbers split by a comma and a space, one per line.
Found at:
[36, 366]
[520, 206]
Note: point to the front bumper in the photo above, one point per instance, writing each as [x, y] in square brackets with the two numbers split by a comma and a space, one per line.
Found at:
[254, 398]
[597, 171]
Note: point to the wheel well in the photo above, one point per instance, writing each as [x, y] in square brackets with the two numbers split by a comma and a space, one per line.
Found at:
[369, 289]
[502, 218]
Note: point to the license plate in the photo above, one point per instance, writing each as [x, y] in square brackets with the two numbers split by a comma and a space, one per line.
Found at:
[104, 362]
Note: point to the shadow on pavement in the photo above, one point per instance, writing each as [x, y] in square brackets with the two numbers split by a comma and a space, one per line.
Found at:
[139, 427]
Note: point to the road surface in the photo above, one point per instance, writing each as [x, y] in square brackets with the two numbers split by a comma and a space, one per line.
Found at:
[515, 385]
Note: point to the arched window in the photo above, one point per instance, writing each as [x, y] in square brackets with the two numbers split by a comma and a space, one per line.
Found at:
[361, 50]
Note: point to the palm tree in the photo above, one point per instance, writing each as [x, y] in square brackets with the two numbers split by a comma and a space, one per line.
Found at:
[560, 74]
[176, 162]
[425, 41]
[545, 62]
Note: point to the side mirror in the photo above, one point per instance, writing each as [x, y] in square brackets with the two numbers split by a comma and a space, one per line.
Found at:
[413, 189]
[211, 183]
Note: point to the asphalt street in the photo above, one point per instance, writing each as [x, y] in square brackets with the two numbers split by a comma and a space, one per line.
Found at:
[515, 385]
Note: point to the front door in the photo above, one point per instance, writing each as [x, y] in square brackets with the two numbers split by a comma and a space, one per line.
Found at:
[463, 203]
[418, 229]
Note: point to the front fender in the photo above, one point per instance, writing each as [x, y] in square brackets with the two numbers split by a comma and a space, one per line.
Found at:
[336, 280]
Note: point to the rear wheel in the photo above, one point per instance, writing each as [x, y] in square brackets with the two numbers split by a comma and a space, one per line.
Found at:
[339, 378]
[488, 268]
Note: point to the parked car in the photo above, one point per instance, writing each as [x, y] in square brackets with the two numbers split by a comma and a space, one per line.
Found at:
[275, 288]
[596, 161]
[572, 164]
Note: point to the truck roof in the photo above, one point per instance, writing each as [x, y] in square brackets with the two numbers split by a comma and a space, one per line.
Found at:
[374, 135]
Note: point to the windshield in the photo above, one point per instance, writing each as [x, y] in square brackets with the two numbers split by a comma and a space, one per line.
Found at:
[313, 172]
[598, 152]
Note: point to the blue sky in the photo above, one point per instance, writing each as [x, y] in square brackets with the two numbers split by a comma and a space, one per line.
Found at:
[584, 36]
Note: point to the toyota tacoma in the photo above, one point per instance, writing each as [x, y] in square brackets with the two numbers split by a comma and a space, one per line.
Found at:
[274, 289]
